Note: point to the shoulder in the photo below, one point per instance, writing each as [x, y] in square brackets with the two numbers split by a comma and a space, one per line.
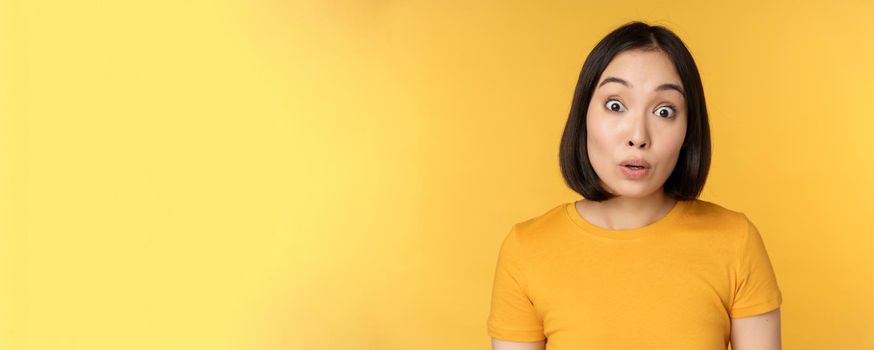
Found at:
[719, 223]
[704, 212]
[542, 223]
[543, 216]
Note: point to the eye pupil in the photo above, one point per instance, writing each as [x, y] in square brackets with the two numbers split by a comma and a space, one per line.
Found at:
[614, 106]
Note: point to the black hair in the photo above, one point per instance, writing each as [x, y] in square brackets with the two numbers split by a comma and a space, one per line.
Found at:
[690, 173]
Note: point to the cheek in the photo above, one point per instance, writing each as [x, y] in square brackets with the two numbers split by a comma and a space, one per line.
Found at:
[598, 139]
[674, 141]
[671, 147]
[679, 136]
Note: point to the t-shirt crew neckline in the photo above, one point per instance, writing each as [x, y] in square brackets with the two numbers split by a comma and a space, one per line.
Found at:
[665, 221]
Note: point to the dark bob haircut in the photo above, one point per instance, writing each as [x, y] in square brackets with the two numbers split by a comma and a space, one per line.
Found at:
[690, 173]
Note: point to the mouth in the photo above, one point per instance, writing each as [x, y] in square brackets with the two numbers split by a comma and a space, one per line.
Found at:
[634, 171]
[635, 164]
[635, 168]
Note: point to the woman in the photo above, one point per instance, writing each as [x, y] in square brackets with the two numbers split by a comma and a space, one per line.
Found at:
[639, 262]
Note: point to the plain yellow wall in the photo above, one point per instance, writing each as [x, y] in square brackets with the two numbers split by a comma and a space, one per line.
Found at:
[268, 174]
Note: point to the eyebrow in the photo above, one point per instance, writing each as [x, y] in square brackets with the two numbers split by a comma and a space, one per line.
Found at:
[667, 86]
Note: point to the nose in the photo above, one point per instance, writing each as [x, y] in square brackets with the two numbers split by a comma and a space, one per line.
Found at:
[639, 144]
[638, 133]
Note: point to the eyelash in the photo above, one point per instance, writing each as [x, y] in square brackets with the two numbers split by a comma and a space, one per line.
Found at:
[673, 109]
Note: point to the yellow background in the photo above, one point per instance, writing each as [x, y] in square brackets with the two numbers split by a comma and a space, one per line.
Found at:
[268, 174]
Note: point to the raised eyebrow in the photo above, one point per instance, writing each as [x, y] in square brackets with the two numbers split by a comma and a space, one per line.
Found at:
[663, 87]
[614, 80]
[671, 87]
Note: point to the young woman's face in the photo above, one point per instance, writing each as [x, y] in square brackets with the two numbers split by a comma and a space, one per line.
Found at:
[637, 112]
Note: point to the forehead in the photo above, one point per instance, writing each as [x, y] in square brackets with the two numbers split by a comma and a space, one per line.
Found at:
[642, 68]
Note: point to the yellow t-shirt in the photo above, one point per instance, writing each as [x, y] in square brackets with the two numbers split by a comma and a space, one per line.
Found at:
[673, 284]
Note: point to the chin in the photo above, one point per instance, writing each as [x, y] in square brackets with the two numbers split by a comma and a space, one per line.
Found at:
[631, 191]
[634, 195]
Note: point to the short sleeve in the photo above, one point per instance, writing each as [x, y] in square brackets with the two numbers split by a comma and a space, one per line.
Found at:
[512, 316]
[756, 290]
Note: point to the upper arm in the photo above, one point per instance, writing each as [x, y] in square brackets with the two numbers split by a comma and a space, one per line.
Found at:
[756, 332]
[755, 287]
[513, 316]
[498, 344]
[755, 312]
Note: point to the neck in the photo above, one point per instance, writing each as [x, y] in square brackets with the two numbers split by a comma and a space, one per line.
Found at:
[625, 213]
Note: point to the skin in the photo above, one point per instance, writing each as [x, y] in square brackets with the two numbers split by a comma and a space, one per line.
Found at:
[634, 118]
[644, 116]
[757, 332]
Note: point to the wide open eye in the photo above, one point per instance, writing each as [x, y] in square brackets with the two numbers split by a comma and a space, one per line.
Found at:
[666, 112]
[615, 105]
